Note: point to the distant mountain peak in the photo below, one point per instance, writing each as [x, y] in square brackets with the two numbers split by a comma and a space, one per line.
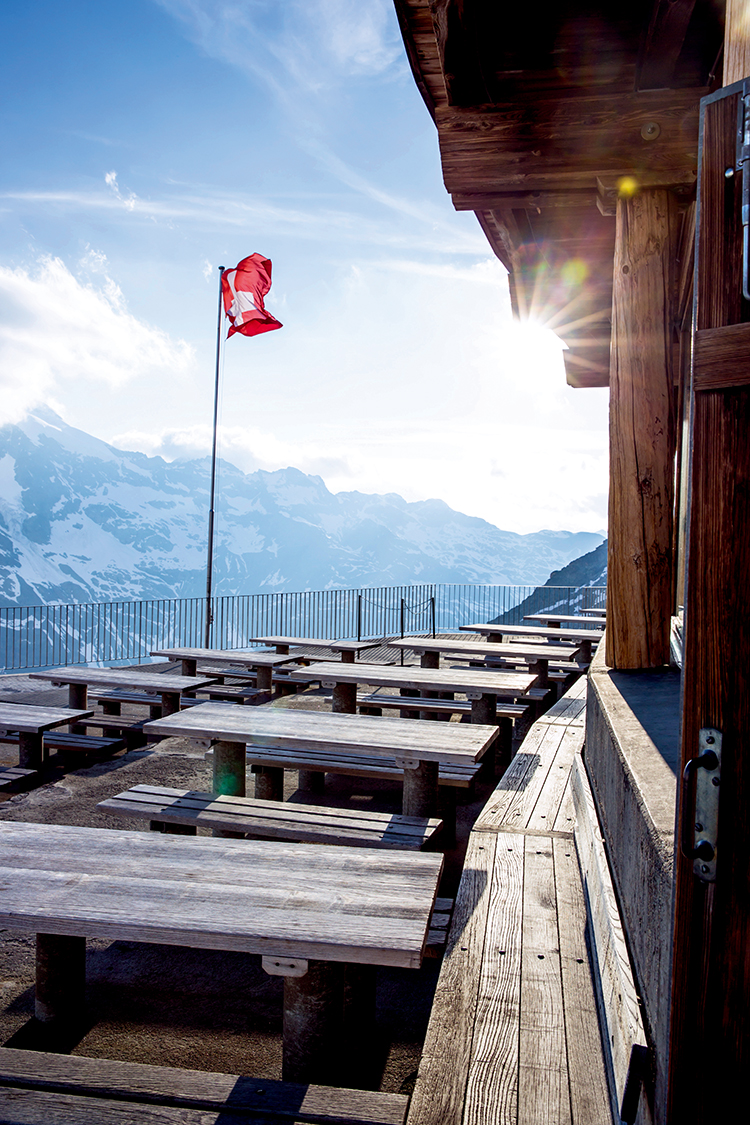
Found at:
[84, 521]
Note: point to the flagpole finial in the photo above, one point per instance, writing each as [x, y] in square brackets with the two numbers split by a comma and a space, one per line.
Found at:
[221, 269]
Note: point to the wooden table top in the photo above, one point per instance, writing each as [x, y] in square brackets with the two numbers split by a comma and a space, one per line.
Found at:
[563, 617]
[506, 684]
[313, 642]
[552, 631]
[359, 905]
[30, 719]
[280, 728]
[522, 650]
[354, 646]
[125, 678]
[246, 658]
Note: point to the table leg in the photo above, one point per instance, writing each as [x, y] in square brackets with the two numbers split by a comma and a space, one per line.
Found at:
[30, 750]
[269, 783]
[344, 699]
[77, 696]
[229, 768]
[264, 679]
[540, 669]
[584, 652]
[421, 790]
[484, 709]
[189, 666]
[170, 703]
[312, 781]
[430, 660]
[347, 657]
[313, 1006]
[60, 977]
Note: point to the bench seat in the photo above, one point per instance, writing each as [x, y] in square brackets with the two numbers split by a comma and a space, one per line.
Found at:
[279, 820]
[444, 706]
[39, 1088]
[81, 743]
[459, 776]
[13, 779]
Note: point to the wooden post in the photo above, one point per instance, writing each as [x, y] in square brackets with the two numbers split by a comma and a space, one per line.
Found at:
[641, 433]
[229, 769]
[344, 699]
[30, 750]
[60, 978]
[430, 660]
[312, 781]
[421, 790]
[736, 41]
[313, 1014]
[269, 783]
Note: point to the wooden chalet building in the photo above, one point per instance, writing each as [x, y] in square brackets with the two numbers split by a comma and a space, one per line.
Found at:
[603, 149]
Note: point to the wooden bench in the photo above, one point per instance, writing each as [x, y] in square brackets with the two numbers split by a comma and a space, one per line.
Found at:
[75, 743]
[248, 816]
[37, 1088]
[455, 776]
[13, 779]
[514, 1034]
[376, 700]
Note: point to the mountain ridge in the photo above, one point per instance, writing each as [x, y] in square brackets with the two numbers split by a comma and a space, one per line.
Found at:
[81, 520]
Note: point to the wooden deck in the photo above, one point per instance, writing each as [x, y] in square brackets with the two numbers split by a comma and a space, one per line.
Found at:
[514, 1034]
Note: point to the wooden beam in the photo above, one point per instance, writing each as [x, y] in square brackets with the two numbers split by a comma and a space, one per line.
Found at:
[736, 41]
[641, 433]
[662, 43]
[721, 357]
[563, 144]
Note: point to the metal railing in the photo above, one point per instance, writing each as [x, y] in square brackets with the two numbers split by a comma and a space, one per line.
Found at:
[45, 636]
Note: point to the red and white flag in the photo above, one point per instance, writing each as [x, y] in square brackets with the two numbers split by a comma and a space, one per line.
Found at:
[243, 290]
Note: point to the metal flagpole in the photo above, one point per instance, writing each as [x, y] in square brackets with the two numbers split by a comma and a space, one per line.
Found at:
[210, 560]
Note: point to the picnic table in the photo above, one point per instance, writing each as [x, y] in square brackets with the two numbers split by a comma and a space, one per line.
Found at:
[419, 748]
[80, 679]
[495, 633]
[308, 911]
[564, 618]
[537, 655]
[31, 722]
[482, 687]
[263, 662]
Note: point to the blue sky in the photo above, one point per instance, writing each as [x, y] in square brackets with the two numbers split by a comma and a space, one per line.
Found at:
[147, 143]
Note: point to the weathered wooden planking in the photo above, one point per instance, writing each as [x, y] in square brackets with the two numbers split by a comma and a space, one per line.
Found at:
[492, 1082]
[551, 631]
[13, 778]
[530, 793]
[424, 703]
[440, 1089]
[194, 1089]
[619, 1006]
[570, 709]
[359, 765]
[505, 685]
[522, 650]
[543, 1094]
[361, 905]
[32, 719]
[308, 823]
[124, 677]
[244, 659]
[280, 728]
[589, 1092]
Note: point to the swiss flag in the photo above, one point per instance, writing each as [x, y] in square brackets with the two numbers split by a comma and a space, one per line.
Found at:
[243, 290]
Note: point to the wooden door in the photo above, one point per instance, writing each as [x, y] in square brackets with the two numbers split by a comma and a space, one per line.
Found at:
[710, 1034]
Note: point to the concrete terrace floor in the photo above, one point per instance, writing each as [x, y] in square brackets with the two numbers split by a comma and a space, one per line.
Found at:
[201, 1009]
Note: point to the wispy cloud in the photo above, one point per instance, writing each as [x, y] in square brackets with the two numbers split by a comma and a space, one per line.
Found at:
[316, 43]
[57, 330]
[213, 211]
[128, 201]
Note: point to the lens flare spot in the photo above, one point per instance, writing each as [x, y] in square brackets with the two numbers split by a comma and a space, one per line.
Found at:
[574, 272]
[627, 187]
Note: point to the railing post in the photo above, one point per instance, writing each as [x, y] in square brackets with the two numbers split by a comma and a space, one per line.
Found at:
[432, 605]
[359, 617]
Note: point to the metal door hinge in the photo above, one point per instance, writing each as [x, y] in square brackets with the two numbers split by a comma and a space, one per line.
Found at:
[701, 786]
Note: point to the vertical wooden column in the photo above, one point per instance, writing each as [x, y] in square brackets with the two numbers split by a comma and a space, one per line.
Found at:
[641, 433]
[710, 1024]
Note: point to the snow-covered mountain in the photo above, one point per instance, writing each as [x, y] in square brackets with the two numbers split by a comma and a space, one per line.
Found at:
[83, 521]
